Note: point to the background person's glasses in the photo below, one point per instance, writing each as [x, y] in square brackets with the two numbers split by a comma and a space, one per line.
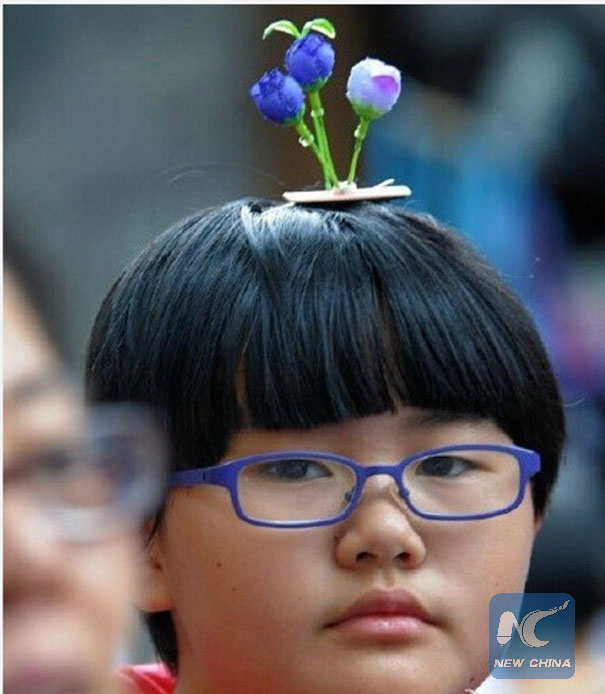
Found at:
[104, 474]
[293, 489]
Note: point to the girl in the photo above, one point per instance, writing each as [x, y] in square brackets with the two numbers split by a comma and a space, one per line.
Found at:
[366, 431]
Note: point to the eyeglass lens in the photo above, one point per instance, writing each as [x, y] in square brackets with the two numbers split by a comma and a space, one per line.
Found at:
[111, 464]
[459, 483]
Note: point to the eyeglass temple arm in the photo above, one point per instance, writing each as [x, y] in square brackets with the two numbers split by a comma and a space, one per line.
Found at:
[220, 476]
[189, 478]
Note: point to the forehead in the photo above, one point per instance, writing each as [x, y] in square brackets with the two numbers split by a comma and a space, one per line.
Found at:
[38, 401]
[27, 353]
[391, 434]
[39, 410]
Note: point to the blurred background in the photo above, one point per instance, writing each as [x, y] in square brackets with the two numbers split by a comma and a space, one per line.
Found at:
[119, 120]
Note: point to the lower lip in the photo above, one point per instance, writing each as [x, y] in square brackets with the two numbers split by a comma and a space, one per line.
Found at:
[384, 627]
[35, 663]
[47, 680]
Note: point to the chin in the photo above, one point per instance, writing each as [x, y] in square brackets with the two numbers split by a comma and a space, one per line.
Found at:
[381, 672]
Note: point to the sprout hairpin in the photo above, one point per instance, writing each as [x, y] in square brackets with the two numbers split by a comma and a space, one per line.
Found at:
[372, 89]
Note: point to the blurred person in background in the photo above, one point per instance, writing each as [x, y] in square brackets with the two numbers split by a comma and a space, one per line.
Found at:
[76, 486]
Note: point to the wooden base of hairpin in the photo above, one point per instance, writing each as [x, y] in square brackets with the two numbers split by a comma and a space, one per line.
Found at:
[349, 193]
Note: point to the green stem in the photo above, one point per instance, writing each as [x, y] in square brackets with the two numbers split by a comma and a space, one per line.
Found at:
[307, 140]
[317, 113]
[360, 135]
[317, 125]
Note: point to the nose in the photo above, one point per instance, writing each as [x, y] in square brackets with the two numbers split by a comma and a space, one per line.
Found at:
[379, 531]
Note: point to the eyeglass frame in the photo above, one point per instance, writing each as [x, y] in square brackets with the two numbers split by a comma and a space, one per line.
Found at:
[226, 474]
[106, 423]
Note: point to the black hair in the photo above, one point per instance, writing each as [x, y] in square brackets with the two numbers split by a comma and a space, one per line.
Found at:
[276, 316]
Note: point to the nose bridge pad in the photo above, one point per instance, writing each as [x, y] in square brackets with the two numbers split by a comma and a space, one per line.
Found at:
[396, 490]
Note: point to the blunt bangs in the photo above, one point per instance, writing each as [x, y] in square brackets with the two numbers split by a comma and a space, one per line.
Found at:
[281, 316]
[369, 307]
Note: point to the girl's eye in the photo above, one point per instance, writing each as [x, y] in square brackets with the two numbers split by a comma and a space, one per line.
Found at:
[443, 466]
[293, 470]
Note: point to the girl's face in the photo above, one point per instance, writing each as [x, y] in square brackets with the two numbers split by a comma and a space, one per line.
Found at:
[260, 610]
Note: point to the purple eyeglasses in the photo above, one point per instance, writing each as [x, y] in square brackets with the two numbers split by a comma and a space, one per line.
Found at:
[300, 489]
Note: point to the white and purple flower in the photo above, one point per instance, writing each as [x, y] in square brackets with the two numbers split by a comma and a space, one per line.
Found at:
[373, 88]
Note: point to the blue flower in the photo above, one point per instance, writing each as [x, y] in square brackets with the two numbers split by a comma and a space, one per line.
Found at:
[310, 61]
[373, 88]
[279, 98]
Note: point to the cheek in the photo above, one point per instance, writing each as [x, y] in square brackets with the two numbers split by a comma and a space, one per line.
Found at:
[473, 564]
[231, 581]
[73, 618]
[490, 555]
[105, 578]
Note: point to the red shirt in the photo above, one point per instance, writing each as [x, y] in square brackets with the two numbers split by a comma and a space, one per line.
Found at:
[147, 679]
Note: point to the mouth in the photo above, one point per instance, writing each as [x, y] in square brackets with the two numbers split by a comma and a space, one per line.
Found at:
[36, 663]
[380, 615]
[48, 680]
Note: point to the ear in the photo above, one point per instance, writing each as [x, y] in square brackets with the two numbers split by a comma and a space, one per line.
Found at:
[538, 522]
[153, 593]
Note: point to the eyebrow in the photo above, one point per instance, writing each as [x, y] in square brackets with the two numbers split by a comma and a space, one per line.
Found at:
[430, 418]
[35, 386]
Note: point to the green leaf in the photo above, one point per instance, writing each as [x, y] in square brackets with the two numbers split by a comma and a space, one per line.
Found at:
[321, 25]
[283, 25]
